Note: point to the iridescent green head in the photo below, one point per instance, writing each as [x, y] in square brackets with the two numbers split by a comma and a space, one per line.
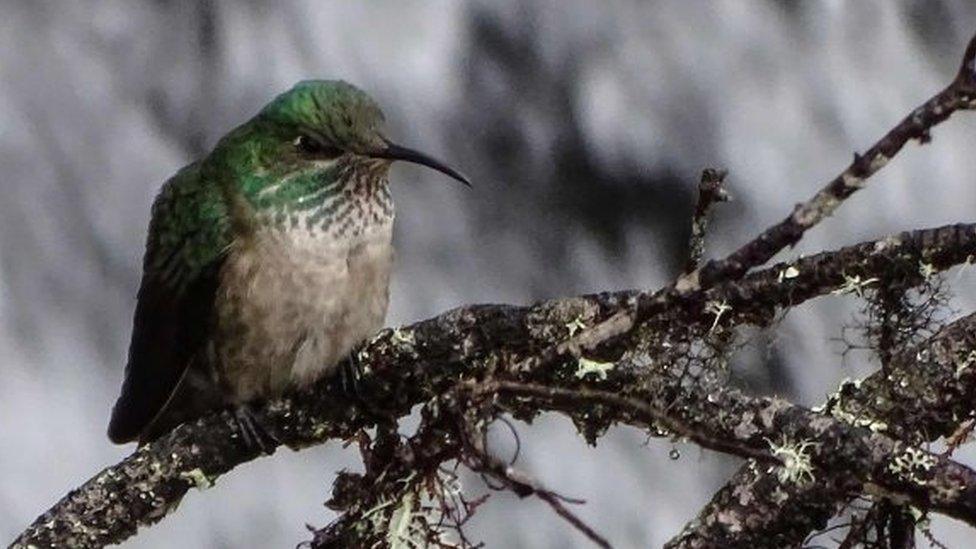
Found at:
[315, 134]
[331, 114]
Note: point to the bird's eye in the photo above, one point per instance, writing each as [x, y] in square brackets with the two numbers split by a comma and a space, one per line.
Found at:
[313, 147]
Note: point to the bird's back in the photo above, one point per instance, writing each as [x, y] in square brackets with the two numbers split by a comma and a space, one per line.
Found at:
[188, 235]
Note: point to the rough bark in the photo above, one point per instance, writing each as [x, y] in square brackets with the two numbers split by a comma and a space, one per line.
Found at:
[922, 398]
[413, 364]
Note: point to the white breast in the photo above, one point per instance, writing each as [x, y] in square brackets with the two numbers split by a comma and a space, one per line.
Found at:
[293, 303]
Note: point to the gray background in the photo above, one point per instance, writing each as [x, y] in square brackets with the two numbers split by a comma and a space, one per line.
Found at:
[584, 126]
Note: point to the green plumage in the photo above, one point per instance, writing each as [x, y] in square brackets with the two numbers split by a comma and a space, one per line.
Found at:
[198, 217]
[266, 261]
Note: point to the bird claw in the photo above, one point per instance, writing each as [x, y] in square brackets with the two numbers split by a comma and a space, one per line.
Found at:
[254, 435]
[350, 372]
[348, 382]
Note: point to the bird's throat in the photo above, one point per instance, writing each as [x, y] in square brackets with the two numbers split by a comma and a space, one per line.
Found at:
[345, 205]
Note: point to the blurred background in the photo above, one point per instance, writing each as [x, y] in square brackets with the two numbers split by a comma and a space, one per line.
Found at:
[584, 126]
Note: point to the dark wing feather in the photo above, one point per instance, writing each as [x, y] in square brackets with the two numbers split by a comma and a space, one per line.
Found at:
[188, 236]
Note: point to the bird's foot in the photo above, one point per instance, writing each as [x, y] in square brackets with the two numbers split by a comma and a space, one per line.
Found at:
[348, 381]
[350, 372]
[254, 435]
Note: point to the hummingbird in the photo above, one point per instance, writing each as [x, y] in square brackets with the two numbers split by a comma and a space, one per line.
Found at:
[266, 262]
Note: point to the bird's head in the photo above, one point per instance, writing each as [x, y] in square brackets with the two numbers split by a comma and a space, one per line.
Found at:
[318, 130]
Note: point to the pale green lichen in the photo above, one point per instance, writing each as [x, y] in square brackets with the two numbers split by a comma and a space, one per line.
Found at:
[920, 517]
[199, 479]
[852, 181]
[403, 337]
[835, 403]
[854, 285]
[369, 515]
[878, 162]
[399, 336]
[797, 466]
[779, 495]
[910, 463]
[927, 270]
[575, 325]
[965, 364]
[875, 425]
[399, 533]
[788, 273]
[746, 428]
[586, 366]
[319, 431]
[717, 308]
[410, 520]
[555, 319]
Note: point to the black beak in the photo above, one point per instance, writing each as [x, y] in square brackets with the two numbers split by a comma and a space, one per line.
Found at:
[396, 152]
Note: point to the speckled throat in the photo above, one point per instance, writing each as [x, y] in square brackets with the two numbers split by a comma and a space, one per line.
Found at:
[342, 200]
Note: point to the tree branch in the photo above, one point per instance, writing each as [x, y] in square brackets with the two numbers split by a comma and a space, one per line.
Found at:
[710, 191]
[814, 451]
[959, 95]
[413, 364]
[928, 390]
[805, 451]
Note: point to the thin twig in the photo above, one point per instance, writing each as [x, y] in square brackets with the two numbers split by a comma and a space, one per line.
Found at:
[710, 191]
[523, 486]
[959, 95]
[959, 437]
[641, 411]
[859, 528]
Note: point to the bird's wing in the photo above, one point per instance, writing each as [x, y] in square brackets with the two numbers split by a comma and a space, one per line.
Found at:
[188, 237]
